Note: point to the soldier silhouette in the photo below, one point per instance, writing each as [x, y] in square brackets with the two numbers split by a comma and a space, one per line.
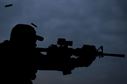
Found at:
[20, 59]
[18, 55]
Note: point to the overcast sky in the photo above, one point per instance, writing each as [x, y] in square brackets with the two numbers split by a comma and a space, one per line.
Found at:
[95, 22]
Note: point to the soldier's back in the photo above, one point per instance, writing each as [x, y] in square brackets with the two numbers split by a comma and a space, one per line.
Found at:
[17, 65]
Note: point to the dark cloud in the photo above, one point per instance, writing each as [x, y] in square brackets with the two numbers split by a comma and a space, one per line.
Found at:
[99, 22]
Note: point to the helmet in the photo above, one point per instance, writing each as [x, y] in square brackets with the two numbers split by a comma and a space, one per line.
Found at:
[24, 31]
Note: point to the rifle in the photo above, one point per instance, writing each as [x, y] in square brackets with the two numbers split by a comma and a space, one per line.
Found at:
[63, 58]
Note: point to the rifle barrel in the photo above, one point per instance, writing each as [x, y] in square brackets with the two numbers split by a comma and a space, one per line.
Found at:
[114, 55]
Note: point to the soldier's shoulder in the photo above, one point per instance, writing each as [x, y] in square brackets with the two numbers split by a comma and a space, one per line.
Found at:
[4, 44]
